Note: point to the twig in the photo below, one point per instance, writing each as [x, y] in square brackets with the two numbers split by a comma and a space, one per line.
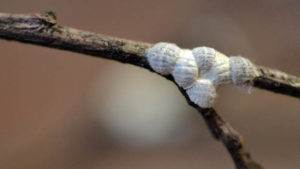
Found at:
[41, 29]
[277, 81]
[232, 140]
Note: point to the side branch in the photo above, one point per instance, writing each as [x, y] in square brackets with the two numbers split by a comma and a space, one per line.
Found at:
[232, 140]
[222, 131]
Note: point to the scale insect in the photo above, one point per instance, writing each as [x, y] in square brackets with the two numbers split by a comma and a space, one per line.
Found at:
[200, 71]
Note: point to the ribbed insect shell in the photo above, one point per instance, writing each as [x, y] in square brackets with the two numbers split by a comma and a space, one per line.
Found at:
[242, 71]
[219, 71]
[162, 57]
[205, 57]
[202, 93]
[185, 71]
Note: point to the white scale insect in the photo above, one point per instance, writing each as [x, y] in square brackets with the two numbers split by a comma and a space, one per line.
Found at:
[200, 70]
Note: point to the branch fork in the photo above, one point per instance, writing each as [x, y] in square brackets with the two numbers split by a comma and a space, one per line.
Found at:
[42, 29]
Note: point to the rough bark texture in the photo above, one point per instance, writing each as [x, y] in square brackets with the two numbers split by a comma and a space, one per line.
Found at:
[278, 82]
[222, 131]
[42, 29]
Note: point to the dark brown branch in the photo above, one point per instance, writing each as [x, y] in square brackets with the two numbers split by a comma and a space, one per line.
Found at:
[278, 82]
[222, 131]
[41, 29]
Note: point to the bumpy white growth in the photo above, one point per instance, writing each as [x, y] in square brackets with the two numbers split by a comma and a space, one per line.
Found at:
[203, 93]
[201, 70]
[219, 72]
[242, 70]
[162, 57]
[185, 72]
[204, 56]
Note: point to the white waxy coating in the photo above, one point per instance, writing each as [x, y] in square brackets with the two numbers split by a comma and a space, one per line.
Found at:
[242, 70]
[201, 70]
[205, 57]
[220, 70]
[202, 93]
[185, 72]
[162, 57]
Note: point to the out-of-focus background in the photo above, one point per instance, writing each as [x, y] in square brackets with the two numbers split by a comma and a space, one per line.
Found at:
[66, 110]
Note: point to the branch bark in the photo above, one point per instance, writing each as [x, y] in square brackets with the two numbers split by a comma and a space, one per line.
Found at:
[42, 29]
[277, 81]
[222, 131]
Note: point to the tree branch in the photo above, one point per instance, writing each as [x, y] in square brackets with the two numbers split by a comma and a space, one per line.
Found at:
[277, 81]
[222, 131]
[41, 29]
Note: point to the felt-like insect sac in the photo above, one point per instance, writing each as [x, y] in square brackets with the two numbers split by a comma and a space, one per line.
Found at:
[242, 71]
[219, 70]
[202, 93]
[162, 57]
[185, 72]
[205, 57]
[201, 70]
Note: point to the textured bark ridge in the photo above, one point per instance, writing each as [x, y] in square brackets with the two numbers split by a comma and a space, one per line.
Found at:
[42, 29]
[277, 81]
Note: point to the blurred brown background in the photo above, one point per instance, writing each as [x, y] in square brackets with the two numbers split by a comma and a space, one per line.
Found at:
[66, 110]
